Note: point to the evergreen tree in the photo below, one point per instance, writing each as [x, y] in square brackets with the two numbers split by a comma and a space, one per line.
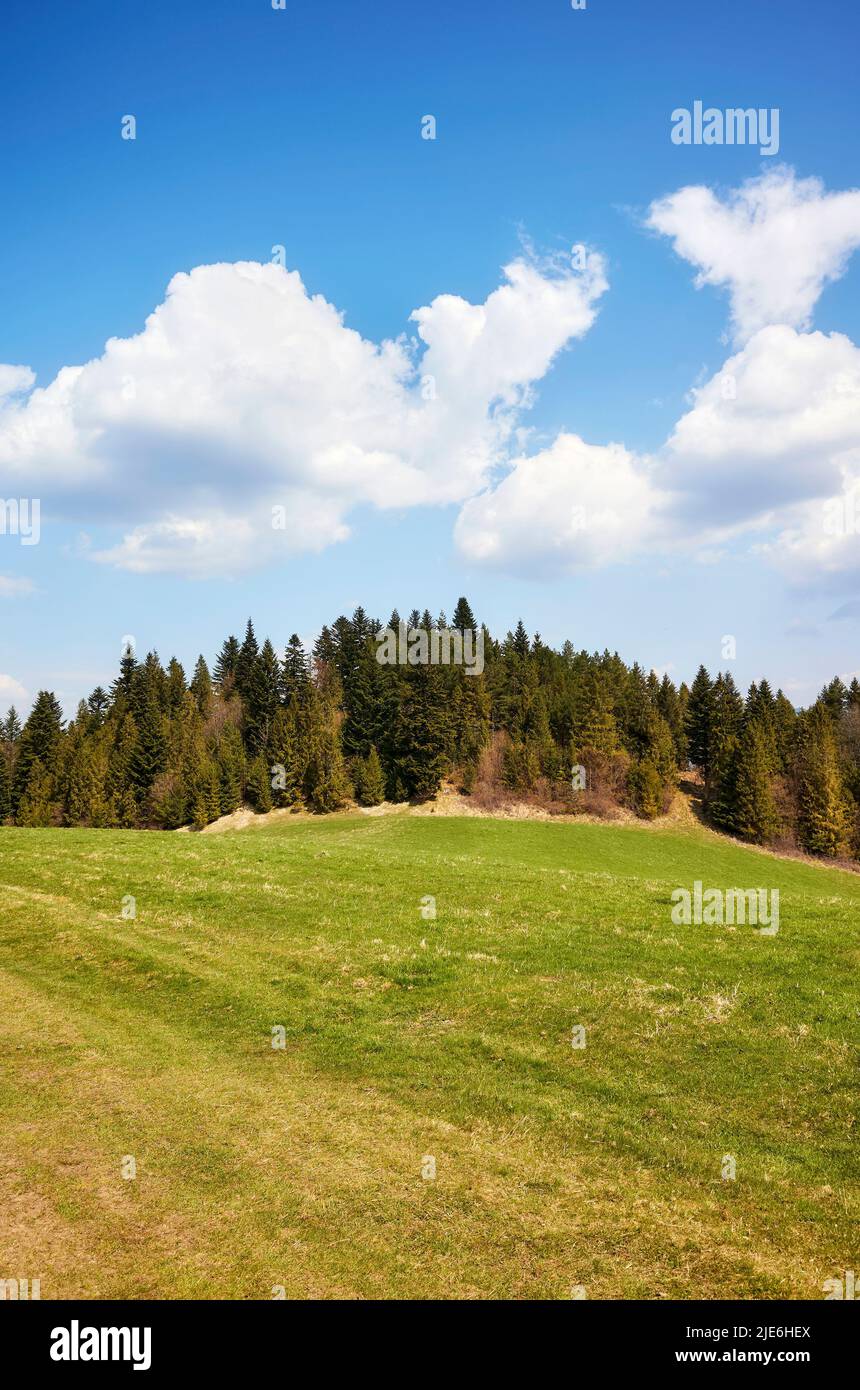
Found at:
[10, 727]
[295, 672]
[262, 697]
[122, 686]
[5, 791]
[699, 711]
[821, 801]
[286, 767]
[176, 686]
[149, 755]
[231, 763]
[201, 687]
[37, 807]
[224, 673]
[40, 741]
[647, 788]
[98, 705]
[369, 780]
[326, 784]
[754, 814]
[246, 660]
[260, 784]
[520, 641]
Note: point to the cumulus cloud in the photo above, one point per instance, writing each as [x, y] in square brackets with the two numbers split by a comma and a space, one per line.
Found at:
[774, 243]
[572, 506]
[244, 393]
[778, 423]
[11, 690]
[14, 380]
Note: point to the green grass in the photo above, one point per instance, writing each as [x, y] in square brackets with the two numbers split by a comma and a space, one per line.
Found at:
[406, 1037]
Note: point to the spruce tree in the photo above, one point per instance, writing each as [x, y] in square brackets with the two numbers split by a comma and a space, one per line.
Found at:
[37, 807]
[370, 780]
[261, 699]
[284, 755]
[295, 671]
[246, 660]
[464, 618]
[201, 687]
[122, 686]
[10, 728]
[699, 710]
[821, 802]
[5, 790]
[149, 755]
[41, 740]
[260, 784]
[647, 788]
[224, 672]
[176, 686]
[754, 814]
[231, 763]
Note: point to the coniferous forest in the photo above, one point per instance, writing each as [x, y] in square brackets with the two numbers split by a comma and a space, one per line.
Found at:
[569, 730]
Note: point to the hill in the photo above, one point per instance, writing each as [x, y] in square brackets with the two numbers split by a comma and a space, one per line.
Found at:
[416, 1045]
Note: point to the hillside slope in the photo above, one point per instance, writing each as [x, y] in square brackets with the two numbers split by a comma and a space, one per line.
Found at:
[409, 1038]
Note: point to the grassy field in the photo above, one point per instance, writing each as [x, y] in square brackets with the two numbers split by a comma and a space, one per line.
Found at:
[408, 1039]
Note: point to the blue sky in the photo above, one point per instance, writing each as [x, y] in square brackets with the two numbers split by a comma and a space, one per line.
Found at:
[301, 128]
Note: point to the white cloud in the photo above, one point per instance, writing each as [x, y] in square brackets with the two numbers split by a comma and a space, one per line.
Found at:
[778, 423]
[572, 506]
[775, 243]
[11, 690]
[14, 380]
[10, 587]
[244, 392]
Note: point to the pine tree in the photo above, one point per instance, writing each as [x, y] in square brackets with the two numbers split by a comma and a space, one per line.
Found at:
[285, 763]
[10, 728]
[754, 814]
[176, 686]
[726, 717]
[520, 641]
[5, 791]
[224, 673]
[647, 788]
[598, 732]
[37, 807]
[201, 687]
[821, 801]
[259, 784]
[41, 740]
[699, 711]
[149, 755]
[231, 762]
[98, 705]
[262, 697]
[326, 784]
[122, 686]
[295, 672]
[246, 660]
[464, 618]
[785, 731]
[369, 780]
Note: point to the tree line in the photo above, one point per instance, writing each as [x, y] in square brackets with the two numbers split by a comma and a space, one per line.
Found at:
[569, 729]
